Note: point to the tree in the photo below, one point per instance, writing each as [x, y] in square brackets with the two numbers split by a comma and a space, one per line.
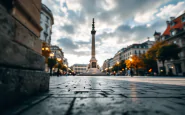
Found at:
[122, 64]
[151, 53]
[135, 62]
[51, 63]
[165, 53]
[149, 62]
[45, 51]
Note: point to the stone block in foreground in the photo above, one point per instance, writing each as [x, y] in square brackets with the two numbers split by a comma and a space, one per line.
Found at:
[21, 63]
[17, 84]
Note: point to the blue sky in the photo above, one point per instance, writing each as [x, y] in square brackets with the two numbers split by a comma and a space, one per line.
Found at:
[119, 23]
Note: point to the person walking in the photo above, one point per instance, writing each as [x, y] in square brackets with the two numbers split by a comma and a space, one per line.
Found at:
[131, 73]
[128, 72]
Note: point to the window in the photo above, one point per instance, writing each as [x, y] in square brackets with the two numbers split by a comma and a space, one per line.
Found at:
[47, 19]
[46, 28]
[163, 38]
[173, 32]
[45, 35]
[172, 23]
[183, 19]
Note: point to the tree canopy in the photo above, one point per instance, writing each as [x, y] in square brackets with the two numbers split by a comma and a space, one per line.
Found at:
[135, 62]
[151, 53]
[165, 52]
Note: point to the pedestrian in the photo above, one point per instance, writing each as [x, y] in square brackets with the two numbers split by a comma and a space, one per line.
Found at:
[58, 73]
[131, 73]
[128, 72]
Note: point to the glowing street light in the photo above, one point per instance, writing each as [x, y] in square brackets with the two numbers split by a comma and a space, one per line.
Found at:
[51, 54]
[59, 59]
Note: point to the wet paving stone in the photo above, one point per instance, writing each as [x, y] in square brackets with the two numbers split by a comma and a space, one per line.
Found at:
[87, 95]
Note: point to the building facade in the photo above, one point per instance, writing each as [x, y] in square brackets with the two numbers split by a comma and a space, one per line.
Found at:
[46, 21]
[80, 68]
[174, 33]
[136, 49]
[65, 62]
[58, 53]
[125, 53]
[106, 65]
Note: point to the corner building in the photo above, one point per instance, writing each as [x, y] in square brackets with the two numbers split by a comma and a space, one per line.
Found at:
[174, 33]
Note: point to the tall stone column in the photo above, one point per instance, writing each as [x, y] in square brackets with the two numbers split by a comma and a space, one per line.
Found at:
[93, 52]
[93, 32]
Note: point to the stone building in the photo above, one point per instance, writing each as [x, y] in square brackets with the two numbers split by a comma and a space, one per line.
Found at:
[65, 62]
[136, 49]
[106, 64]
[111, 62]
[80, 68]
[58, 53]
[46, 22]
[125, 53]
[21, 63]
[174, 33]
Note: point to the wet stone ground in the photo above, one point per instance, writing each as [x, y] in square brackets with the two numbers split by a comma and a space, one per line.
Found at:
[110, 96]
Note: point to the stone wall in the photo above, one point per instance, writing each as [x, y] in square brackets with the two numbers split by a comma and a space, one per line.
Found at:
[18, 46]
[18, 84]
[21, 63]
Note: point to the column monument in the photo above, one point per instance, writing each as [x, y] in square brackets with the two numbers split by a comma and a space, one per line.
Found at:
[93, 67]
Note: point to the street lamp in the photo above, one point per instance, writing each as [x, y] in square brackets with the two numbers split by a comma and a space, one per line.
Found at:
[51, 55]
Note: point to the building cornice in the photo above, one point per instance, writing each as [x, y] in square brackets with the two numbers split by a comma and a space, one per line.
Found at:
[48, 11]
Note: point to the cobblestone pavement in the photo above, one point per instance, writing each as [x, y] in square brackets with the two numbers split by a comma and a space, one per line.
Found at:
[77, 95]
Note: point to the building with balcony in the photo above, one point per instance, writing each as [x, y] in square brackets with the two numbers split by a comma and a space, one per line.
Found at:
[46, 22]
[174, 33]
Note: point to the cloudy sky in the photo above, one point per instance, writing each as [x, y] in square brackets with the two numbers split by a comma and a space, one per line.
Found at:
[119, 23]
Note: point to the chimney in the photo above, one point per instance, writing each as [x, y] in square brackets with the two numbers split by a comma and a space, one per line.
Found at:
[168, 23]
[172, 18]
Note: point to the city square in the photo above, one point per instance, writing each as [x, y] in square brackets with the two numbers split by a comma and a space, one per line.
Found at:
[96, 57]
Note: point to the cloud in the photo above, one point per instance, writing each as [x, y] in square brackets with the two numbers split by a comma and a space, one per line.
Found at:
[171, 10]
[119, 23]
[68, 28]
